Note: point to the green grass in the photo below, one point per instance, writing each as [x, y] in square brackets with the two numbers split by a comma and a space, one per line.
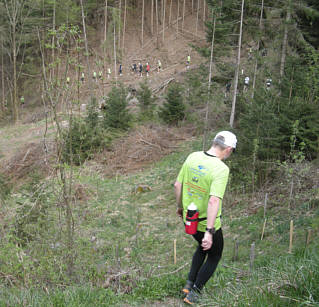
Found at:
[123, 248]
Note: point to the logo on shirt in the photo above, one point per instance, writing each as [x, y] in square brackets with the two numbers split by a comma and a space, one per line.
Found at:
[200, 170]
[195, 179]
[201, 167]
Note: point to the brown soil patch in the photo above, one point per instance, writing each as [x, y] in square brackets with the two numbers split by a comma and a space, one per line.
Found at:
[29, 159]
[141, 147]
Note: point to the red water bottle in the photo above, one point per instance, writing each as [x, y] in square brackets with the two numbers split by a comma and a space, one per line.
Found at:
[191, 219]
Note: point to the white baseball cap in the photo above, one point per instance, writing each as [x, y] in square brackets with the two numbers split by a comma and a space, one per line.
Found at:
[226, 138]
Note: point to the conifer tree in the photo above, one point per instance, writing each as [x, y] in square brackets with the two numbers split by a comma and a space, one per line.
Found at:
[173, 109]
[116, 114]
[146, 100]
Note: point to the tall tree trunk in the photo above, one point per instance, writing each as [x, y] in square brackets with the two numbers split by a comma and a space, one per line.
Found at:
[156, 11]
[2, 80]
[209, 83]
[105, 35]
[170, 13]
[258, 45]
[233, 108]
[177, 18]
[120, 18]
[86, 51]
[53, 40]
[183, 16]
[284, 41]
[164, 7]
[197, 15]
[105, 21]
[162, 10]
[152, 17]
[15, 108]
[124, 25]
[192, 7]
[143, 24]
[221, 8]
[114, 50]
[204, 12]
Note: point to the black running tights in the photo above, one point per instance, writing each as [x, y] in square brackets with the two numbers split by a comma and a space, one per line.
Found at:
[201, 270]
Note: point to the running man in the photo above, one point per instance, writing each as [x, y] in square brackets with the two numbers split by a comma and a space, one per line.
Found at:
[202, 181]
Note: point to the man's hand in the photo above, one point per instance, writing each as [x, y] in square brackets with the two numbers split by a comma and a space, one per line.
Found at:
[207, 241]
[179, 212]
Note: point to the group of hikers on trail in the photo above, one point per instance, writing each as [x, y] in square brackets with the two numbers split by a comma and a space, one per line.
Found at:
[136, 68]
[246, 85]
[139, 68]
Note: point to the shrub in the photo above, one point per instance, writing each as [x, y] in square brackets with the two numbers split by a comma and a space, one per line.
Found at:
[146, 101]
[81, 140]
[116, 114]
[4, 189]
[174, 109]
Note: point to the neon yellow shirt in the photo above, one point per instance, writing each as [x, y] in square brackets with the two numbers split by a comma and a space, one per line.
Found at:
[202, 176]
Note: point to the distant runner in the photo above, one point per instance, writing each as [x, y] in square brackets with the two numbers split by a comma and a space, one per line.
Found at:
[159, 66]
[82, 77]
[188, 62]
[228, 86]
[120, 70]
[148, 68]
[108, 73]
[100, 75]
[140, 66]
[246, 83]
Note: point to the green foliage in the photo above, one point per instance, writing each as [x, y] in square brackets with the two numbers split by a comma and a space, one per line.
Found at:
[173, 110]
[116, 114]
[31, 213]
[299, 112]
[146, 101]
[197, 89]
[287, 125]
[4, 189]
[92, 117]
[81, 140]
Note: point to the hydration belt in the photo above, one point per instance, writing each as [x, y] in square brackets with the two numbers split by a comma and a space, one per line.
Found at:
[201, 218]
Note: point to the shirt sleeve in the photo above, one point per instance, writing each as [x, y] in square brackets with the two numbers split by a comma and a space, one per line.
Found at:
[181, 173]
[219, 183]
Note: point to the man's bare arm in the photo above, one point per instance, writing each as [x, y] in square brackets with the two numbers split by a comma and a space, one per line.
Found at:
[212, 211]
[178, 194]
[178, 187]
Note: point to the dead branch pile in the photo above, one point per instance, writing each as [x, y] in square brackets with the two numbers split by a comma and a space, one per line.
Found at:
[142, 147]
[163, 85]
[29, 159]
